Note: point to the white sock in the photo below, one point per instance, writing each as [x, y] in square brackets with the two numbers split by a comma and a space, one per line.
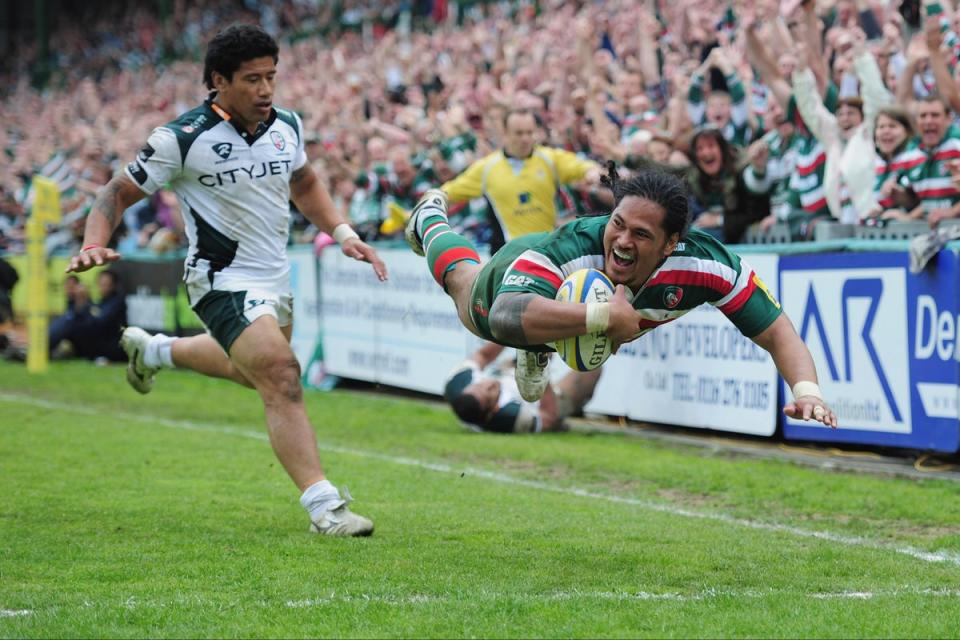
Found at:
[318, 497]
[435, 210]
[159, 352]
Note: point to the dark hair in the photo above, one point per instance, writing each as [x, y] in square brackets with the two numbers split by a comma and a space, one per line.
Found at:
[467, 408]
[852, 101]
[235, 45]
[664, 189]
[901, 115]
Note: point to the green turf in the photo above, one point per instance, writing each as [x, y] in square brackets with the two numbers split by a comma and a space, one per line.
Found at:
[167, 515]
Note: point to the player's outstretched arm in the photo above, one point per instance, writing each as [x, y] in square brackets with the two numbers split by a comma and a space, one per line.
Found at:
[532, 319]
[795, 364]
[314, 202]
[112, 200]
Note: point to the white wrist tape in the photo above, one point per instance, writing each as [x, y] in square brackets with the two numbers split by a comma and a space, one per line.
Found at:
[807, 388]
[343, 232]
[598, 317]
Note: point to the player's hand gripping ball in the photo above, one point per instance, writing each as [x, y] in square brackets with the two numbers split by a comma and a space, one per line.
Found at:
[586, 352]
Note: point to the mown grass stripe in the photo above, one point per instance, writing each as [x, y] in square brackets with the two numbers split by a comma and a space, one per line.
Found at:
[503, 478]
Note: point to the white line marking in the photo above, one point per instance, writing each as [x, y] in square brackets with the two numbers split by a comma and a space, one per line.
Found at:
[131, 603]
[618, 596]
[14, 613]
[949, 557]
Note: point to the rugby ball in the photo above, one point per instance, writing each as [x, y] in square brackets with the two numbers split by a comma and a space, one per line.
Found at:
[586, 352]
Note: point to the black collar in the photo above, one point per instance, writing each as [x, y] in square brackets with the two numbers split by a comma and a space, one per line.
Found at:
[248, 137]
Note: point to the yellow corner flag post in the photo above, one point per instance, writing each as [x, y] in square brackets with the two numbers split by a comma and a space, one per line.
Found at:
[46, 209]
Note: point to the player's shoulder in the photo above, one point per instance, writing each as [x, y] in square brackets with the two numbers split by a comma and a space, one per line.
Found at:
[701, 245]
[189, 126]
[194, 122]
[291, 119]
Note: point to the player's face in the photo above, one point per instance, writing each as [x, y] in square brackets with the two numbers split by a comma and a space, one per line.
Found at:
[487, 393]
[634, 241]
[248, 95]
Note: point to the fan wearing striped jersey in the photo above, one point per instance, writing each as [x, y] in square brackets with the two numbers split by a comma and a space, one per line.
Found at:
[235, 162]
[660, 267]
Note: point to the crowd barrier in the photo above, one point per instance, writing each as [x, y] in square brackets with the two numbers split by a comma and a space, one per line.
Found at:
[885, 341]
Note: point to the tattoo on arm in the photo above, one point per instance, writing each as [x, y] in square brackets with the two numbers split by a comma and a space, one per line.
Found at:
[299, 174]
[106, 203]
[506, 317]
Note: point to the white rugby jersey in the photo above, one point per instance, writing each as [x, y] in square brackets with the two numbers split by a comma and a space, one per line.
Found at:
[234, 191]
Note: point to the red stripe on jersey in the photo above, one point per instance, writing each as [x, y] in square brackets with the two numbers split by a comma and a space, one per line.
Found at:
[695, 278]
[737, 302]
[810, 168]
[452, 255]
[947, 154]
[533, 269]
[943, 192]
[908, 164]
[816, 205]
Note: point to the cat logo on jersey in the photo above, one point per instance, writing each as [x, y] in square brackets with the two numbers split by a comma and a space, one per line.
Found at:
[223, 149]
[672, 297]
[763, 287]
[479, 308]
[278, 140]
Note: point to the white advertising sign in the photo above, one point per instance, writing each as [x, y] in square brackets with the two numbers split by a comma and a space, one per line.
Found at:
[404, 332]
[306, 304]
[698, 371]
[854, 322]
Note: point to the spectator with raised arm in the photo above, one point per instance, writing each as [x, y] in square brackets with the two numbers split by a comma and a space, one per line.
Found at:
[847, 136]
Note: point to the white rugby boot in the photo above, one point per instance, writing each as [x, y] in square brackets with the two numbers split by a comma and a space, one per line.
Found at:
[134, 342]
[340, 521]
[531, 374]
[432, 200]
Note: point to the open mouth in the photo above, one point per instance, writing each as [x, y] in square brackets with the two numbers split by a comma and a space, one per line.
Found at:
[622, 259]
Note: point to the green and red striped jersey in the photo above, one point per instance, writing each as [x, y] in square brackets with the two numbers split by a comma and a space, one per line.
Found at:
[700, 271]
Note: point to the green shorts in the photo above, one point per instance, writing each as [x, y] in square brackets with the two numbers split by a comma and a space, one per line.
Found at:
[487, 286]
[226, 314]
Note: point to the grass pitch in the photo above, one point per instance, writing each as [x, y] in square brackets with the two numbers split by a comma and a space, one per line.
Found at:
[168, 516]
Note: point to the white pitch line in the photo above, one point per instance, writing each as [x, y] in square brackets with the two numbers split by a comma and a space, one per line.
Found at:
[617, 596]
[14, 613]
[131, 603]
[494, 476]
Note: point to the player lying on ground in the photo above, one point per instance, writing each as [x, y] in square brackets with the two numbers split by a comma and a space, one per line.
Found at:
[661, 269]
[235, 162]
[485, 396]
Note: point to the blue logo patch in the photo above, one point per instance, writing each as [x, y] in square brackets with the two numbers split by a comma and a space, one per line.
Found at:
[223, 149]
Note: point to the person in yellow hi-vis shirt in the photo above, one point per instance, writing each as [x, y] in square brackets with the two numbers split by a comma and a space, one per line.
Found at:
[520, 184]
[520, 181]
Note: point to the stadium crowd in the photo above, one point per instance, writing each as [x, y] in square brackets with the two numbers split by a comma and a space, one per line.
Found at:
[793, 112]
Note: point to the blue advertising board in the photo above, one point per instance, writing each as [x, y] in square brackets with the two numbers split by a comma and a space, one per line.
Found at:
[885, 343]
